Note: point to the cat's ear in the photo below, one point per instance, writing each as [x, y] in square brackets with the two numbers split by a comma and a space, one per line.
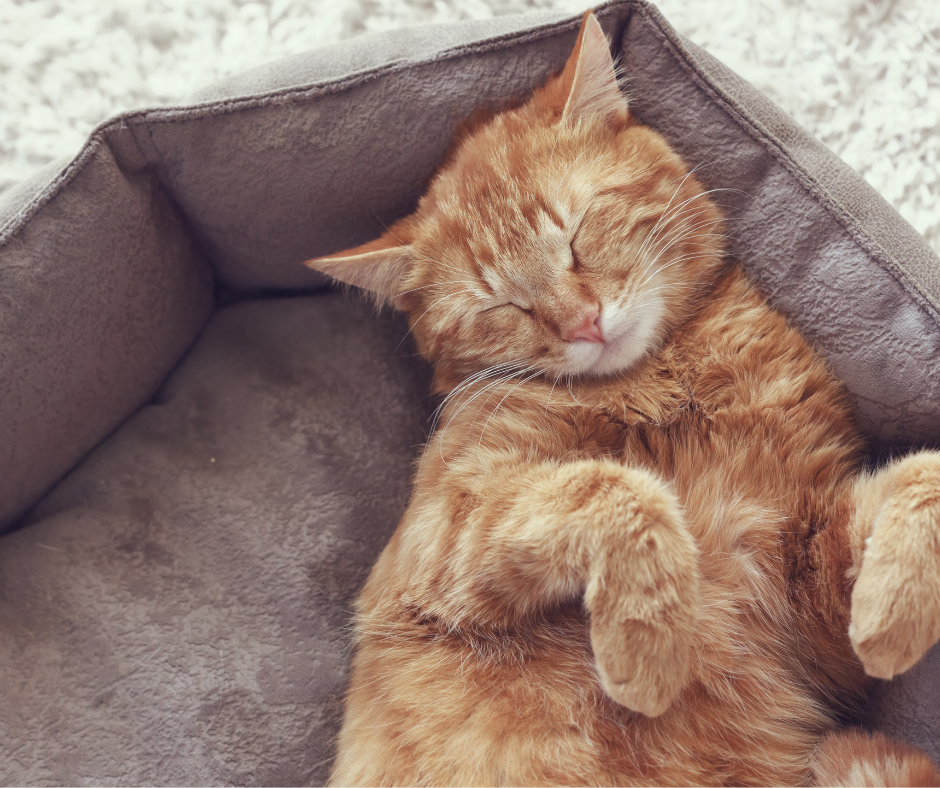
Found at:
[591, 79]
[379, 266]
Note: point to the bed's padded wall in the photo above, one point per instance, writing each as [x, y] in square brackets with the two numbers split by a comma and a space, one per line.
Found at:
[815, 238]
[100, 294]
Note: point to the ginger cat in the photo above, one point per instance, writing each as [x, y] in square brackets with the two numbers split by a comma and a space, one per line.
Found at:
[640, 549]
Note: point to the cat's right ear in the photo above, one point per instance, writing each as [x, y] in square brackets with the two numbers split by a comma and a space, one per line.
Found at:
[380, 267]
[587, 86]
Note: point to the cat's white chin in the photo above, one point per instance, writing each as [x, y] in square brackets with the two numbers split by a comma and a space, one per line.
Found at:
[629, 334]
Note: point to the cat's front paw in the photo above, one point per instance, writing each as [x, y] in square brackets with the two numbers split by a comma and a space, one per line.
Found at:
[643, 600]
[896, 599]
[647, 667]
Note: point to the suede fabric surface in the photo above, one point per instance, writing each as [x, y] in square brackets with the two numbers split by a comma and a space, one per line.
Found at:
[174, 610]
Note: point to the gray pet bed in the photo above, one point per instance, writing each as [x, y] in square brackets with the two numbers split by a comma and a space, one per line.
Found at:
[203, 450]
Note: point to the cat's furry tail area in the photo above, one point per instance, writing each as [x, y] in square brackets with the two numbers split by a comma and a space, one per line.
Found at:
[857, 758]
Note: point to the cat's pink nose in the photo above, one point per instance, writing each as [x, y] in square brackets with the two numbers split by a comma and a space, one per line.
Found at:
[589, 328]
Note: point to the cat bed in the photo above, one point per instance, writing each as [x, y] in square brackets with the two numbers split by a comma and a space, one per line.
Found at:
[203, 449]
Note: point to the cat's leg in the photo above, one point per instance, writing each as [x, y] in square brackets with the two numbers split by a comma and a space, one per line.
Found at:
[895, 612]
[856, 758]
[532, 534]
[642, 592]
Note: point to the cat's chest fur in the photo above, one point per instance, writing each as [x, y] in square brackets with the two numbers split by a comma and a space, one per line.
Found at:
[740, 415]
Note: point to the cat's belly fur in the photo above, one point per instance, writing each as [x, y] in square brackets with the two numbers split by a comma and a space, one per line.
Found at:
[760, 470]
[432, 707]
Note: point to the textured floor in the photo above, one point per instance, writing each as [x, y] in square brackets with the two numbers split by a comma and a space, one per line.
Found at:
[863, 75]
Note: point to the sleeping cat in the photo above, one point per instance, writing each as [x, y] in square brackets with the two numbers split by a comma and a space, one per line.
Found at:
[641, 549]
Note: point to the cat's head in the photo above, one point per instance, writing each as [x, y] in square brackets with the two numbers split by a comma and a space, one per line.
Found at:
[559, 236]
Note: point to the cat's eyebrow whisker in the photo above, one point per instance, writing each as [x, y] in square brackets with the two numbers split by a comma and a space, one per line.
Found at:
[682, 259]
[425, 287]
[420, 254]
[447, 266]
[433, 284]
[666, 209]
[689, 239]
[661, 299]
[684, 232]
[668, 215]
[389, 231]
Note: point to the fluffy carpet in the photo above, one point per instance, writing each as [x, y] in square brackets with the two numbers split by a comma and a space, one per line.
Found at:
[862, 75]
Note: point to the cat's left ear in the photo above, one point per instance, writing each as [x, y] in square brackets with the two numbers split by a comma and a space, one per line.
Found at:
[380, 267]
[591, 78]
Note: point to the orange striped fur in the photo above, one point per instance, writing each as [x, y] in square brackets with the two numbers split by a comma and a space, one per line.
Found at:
[641, 548]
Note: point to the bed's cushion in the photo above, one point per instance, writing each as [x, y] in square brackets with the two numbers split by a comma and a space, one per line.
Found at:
[176, 611]
[146, 601]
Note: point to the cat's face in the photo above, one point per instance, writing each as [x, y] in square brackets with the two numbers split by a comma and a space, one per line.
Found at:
[560, 238]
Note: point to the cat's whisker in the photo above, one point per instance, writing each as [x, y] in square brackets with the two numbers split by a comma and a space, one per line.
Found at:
[535, 374]
[681, 235]
[687, 238]
[569, 381]
[420, 254]
[509, 375]
[468, 383]
[666, 209]
[470, 379]
[682, 259]
[549, 401]
[669, 215]
[684, 234]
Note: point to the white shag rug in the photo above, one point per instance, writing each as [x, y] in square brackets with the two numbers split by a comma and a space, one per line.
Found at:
[862, 75]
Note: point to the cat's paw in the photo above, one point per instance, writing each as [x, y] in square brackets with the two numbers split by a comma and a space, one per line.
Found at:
[643, 600]
[896, 599]
[642, 666]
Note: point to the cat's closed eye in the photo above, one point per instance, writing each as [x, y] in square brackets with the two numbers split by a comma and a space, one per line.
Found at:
[576, 264]
[509, 305]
